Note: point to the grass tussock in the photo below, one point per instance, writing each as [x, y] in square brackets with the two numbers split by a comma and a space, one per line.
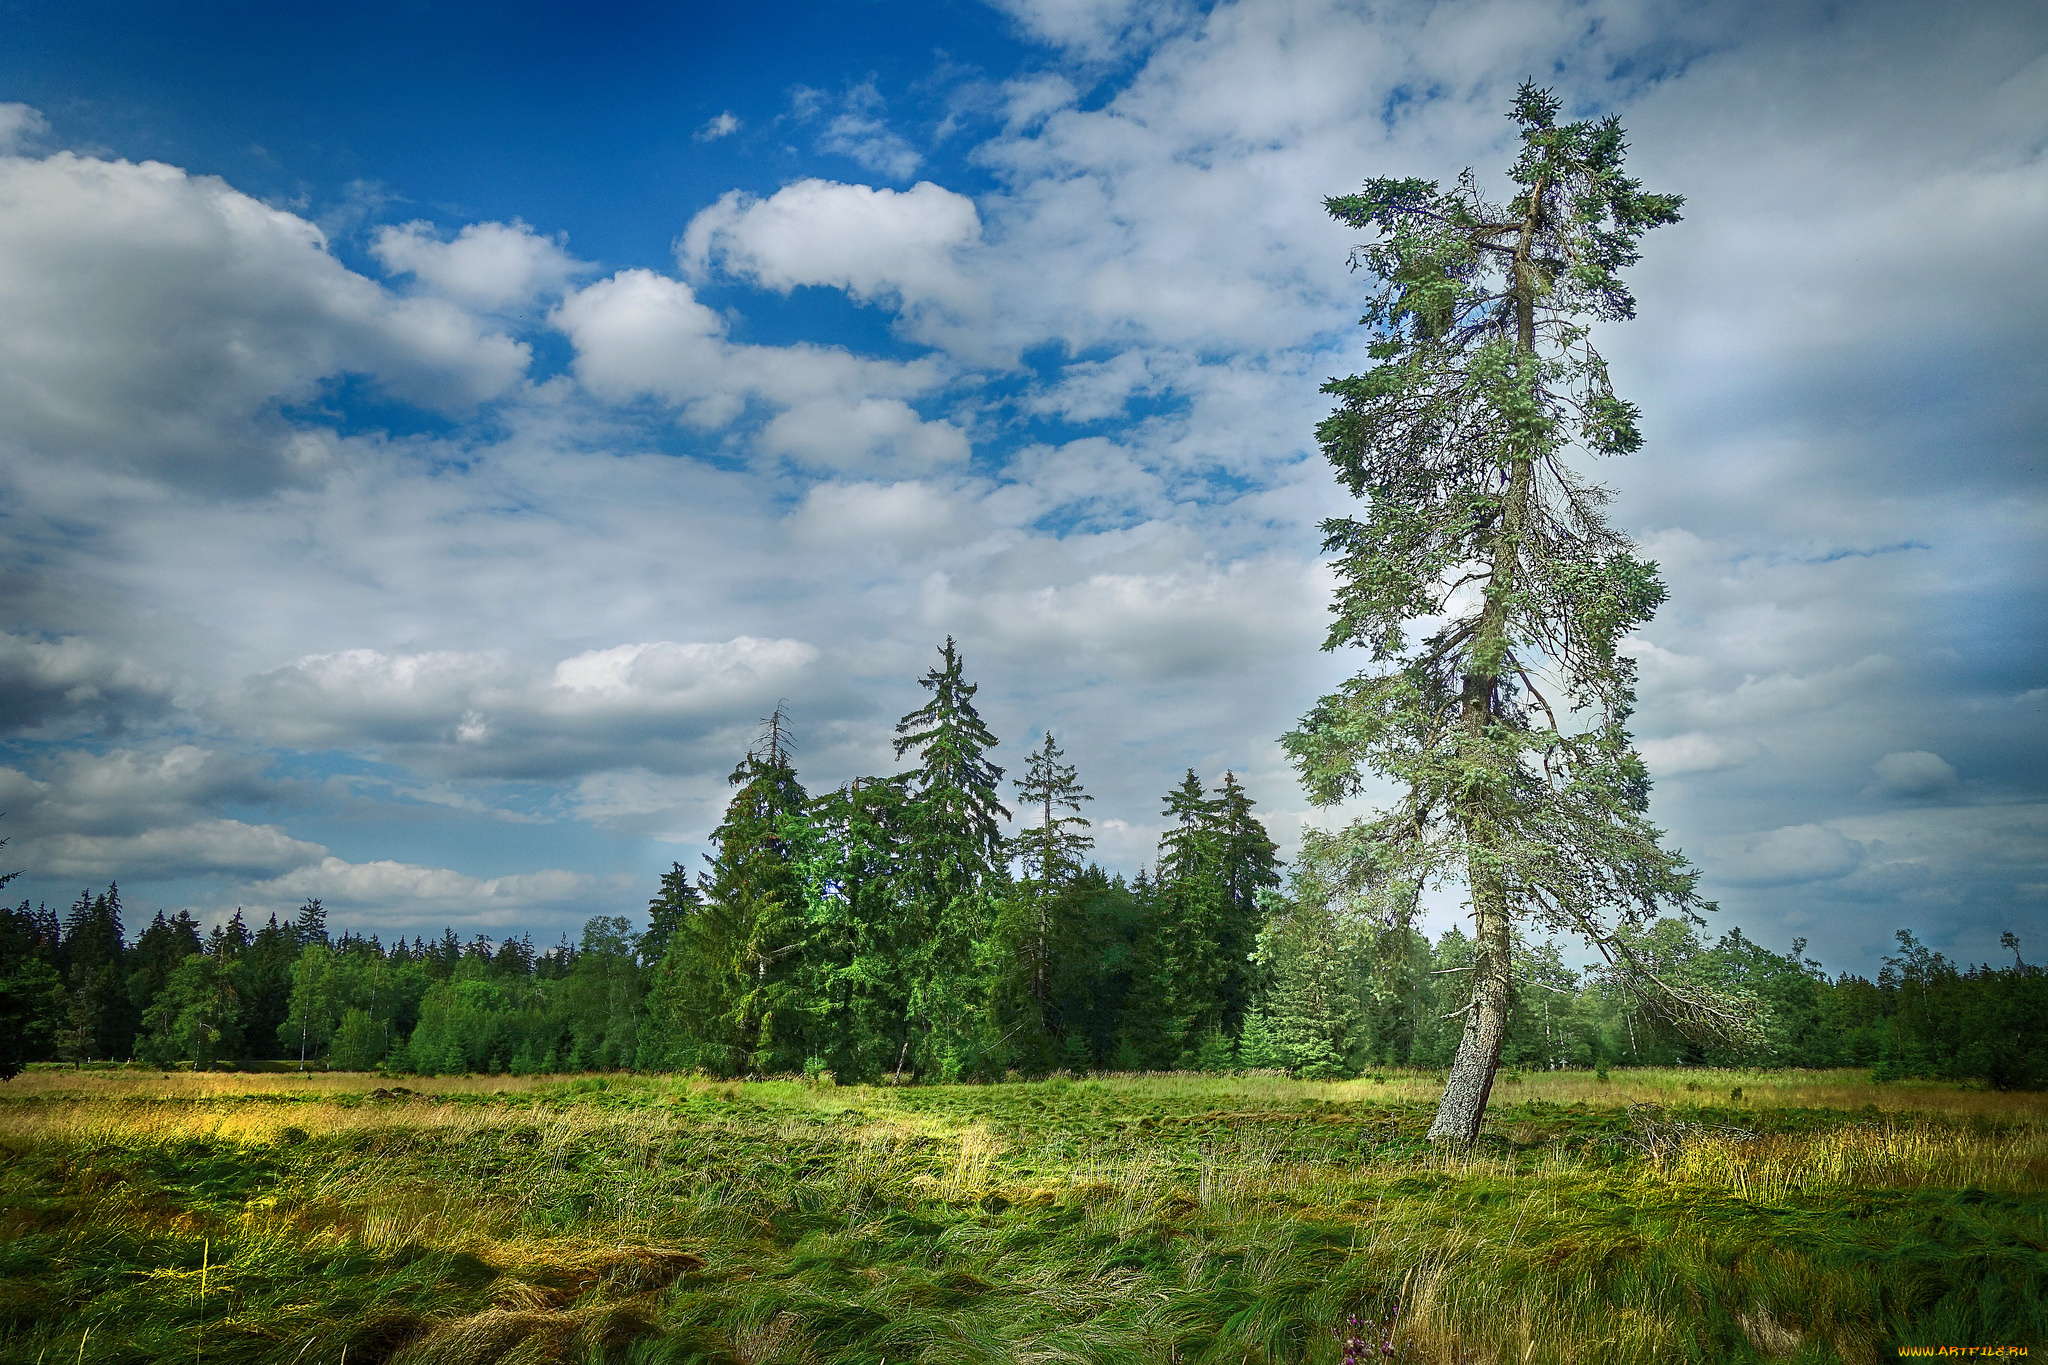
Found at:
[1140, 1219]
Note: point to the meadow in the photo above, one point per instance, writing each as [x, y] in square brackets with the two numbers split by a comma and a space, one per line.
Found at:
[1680, 1215]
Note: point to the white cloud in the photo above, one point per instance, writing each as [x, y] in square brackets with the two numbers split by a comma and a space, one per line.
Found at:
[869, 433]
[486, 714]
[1095, 30]
[145, 814]
[157, 320]
[860, 131]
[1695, 753]
[895, 247]
[20, 124]
[672, 678]
[129, 791]
[724, 125]
[1176, 623]
[204, 848]
[1840, 497]
[644, 334]
[389, 894]
[640, 332]
[489, 266]
[907, 516]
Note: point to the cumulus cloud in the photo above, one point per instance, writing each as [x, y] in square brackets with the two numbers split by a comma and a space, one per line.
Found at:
[128, 791]
[1127, 559]
[1786, 857]
[488, 266]
[1695, 753]
[901, 248]
[157, 320]
[1915, 774]
[20, 124]
[62, 686]
[1095, 30]
[485, 714]
[908, 517]
[1176, 623]
[143, 814]
[204, 848]
[642, 334]
[839, 435]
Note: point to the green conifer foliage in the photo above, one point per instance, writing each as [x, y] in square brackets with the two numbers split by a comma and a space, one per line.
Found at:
[264, 980]
[1034, 927]
[163, 945]
[725, 995]
[848, 851]
[32, 1001]
[1507, 727]
[1249, 865]
[1178, 979]
[955, 871]
[101, 1021]
[678, 901]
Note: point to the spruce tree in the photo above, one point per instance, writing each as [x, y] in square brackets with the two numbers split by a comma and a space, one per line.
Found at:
[264, 988]
[310, 925]
[1249, 863]
[1178, 979]
[723, 997]
[1507, 726]
[32, 1001]
[1309, 959]
[1032, 927]
[954, 866]
[102, 1019]
[677, 902]
[162, 946]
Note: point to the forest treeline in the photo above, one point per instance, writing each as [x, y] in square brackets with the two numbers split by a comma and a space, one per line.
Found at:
[889, 928]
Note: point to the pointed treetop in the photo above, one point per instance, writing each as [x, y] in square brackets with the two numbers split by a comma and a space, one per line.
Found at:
[1052, 849]
[776, 744]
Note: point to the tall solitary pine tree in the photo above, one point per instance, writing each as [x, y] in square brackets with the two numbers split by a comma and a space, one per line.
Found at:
[1506, 727]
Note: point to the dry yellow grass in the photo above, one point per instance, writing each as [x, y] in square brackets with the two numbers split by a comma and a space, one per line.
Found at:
[1881, 1157]
[42, 1083]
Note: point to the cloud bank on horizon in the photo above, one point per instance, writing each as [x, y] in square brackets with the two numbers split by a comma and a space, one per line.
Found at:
[364, 546]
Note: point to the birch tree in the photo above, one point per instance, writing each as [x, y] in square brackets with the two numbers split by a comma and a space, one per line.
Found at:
[1504, 725]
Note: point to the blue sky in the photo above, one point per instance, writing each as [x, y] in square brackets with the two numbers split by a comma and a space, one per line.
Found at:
[431, 436]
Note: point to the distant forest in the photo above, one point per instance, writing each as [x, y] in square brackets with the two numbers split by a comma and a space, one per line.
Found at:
[888, 928]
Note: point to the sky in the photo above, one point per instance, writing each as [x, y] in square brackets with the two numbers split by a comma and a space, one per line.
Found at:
[432, 436]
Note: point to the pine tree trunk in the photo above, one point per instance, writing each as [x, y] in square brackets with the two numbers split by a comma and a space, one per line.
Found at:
[1463, 1105]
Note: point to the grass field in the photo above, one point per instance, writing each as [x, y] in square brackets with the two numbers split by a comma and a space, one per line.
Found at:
[1658, 1216]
